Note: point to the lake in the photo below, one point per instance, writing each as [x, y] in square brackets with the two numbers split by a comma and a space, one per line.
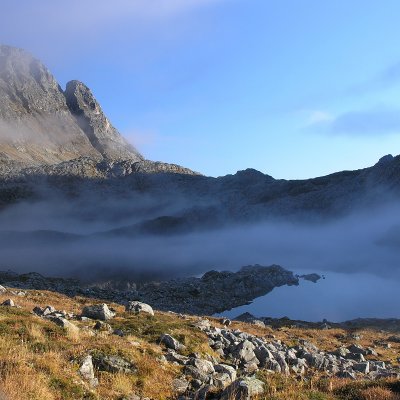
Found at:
[337, 298]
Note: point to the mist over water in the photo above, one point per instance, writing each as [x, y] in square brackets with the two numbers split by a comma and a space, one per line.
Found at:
[74, 238]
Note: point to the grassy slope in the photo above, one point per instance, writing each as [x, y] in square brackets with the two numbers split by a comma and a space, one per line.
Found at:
[39, 360]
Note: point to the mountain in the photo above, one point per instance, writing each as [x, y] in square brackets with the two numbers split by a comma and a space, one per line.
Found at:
[42, 124]
[58, 146]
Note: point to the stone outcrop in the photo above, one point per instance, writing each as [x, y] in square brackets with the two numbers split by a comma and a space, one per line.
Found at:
[214, 292]
[138, 307]
[99, 130]
[98, 311]
[47, 131]
[36, 125]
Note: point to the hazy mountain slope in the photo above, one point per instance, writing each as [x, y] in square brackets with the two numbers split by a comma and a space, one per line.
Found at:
[90, 117]
[40, 124]
[36, 126]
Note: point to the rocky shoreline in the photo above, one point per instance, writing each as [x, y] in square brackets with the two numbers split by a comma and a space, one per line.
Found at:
[213, 293]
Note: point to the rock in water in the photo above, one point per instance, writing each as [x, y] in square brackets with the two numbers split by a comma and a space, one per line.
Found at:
[90, 117]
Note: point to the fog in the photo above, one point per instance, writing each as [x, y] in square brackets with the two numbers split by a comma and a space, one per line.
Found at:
[72, 238]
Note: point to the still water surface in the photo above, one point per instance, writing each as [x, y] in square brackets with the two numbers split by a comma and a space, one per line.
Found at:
[338, 297]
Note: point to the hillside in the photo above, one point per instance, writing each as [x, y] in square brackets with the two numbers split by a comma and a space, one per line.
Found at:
[50, 349]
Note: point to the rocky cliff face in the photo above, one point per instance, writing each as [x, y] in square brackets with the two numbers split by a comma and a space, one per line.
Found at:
[36, 126]
[99, 130]
[40, 124]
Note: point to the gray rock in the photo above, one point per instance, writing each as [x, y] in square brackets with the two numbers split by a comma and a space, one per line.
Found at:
[91, 119]
[113, 364]
[243, 389]
[48, 310]
[226, 369]
[98, 311]
[357, 349]
[102, 327]
[244, 351]
[202, 393]
[202, 365]
[2, 289]
[221, 380]
[86, 370]
[280, 358]
[202, 324]
[63, 323]
[196, 373]
[38, 311]
[171, 343]
[362, 367]
[180, 385]
[356, 357]
[348, 374]
[8, 303]
[273, 365]
[342, 352]
[138, 307]
[172, 356]
[32, 104]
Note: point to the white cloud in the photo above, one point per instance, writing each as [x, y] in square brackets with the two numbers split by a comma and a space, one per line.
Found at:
[376, 121]
[55, 28]
[318, 116]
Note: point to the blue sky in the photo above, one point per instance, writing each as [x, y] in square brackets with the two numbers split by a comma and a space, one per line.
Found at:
[293, 88]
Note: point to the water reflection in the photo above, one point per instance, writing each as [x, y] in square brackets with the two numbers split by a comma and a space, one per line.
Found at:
[337, 298]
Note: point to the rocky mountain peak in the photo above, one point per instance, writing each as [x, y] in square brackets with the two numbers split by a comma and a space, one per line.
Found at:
[36, 126]
[26, 85]
[385, 160]
[99, 130]
[41, 124]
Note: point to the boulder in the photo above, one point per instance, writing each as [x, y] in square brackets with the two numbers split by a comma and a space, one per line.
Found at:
[202, 365]
[362, 367]
[196, 373]
[243, 389]
[63, 323]
[226, 369]
[48, 310]
[113, 364]
[245, 352]
[171, 343]
[180, 385]
[102, 327]
[342, 352]
[348, 374]
[86, 370]
[138, 307]
[357, 349]
[98, 311]
[8, 303]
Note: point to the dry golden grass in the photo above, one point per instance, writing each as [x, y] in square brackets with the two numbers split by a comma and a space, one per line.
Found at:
[39, 360]
[378, 393]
